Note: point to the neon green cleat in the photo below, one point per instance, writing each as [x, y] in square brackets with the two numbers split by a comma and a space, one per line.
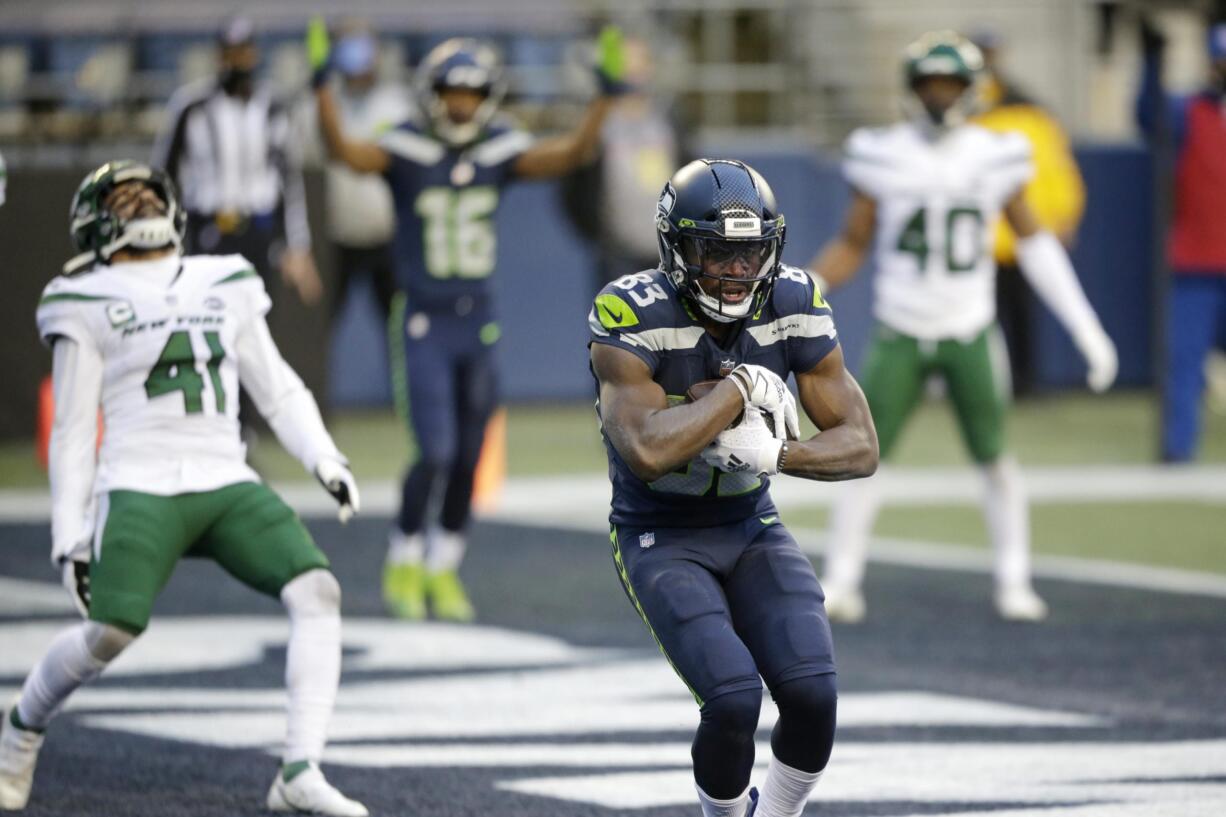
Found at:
[448, 599]
[404, 590]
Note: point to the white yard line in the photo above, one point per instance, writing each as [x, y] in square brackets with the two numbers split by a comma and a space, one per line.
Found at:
[527, 497]
[580, 502]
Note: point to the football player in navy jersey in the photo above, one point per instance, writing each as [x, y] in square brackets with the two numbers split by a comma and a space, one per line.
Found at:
[703, 557]
[446, 174]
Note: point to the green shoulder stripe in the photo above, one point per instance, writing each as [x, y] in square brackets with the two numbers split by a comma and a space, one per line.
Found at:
[818, 301]
[72, 296]
[614, 313]
[237, 276]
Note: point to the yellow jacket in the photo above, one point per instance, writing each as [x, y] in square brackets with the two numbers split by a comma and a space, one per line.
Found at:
[1057, 193]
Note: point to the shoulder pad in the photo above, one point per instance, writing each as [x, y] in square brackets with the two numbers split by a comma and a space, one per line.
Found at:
[1006, 159]
[500, 145]
[68, 302]
[643, 300]
[871, 159]
[1013, 146]
[796, 293]
[407, 141]
[233, 274]
[90, 285]
[869, 143]
[220, 269]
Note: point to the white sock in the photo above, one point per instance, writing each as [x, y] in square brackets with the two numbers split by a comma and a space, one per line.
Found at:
[851, 523]
[446, 551]
[76, 657]
[785, 791]
[405, 548]
[312, 661]
[1005, 507]
[736, 807]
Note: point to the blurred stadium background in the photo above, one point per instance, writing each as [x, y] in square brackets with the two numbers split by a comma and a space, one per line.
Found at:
[778, 83]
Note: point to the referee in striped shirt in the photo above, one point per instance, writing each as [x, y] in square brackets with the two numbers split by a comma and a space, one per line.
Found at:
[228, 145]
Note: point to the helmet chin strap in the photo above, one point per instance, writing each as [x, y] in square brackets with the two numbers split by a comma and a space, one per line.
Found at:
[713, 307]
[141, 234]
[934, 126]
[454, 133]
[458, 134]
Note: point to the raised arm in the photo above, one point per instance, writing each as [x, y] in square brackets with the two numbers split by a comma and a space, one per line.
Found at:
[652, 438]
[846, 445]
[559, 155]
[359, 156]
[836, 263]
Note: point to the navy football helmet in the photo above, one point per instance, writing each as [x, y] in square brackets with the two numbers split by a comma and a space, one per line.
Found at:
[460, 62]
[97, 233]
[713, 212]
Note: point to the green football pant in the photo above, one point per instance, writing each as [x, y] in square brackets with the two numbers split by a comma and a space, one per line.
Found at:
[976, 374]
[246, 528]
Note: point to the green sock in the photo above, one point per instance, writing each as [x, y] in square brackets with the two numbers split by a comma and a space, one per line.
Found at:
[291, 770]
[16, 721]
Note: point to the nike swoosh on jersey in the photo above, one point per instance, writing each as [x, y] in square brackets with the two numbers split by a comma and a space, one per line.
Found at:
[768, 520]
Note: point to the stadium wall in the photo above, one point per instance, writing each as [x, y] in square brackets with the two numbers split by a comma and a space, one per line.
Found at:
[544, 283]
[544, 280]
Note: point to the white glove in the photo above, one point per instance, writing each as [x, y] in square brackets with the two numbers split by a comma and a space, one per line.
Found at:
[1101, 358]
[749, 446]
[338, 480]
[766, 391]
[74, 574]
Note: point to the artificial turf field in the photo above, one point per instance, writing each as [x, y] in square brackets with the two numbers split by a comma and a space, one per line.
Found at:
[557, 703]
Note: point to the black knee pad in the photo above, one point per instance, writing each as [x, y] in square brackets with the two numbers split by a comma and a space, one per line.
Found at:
[734, 716]
[811, 699]
[804, 734]
[723, 746]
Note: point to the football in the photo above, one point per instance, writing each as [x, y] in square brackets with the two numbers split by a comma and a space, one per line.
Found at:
[702, 388]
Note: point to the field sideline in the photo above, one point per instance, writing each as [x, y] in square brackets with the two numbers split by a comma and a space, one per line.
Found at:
[1167, 517]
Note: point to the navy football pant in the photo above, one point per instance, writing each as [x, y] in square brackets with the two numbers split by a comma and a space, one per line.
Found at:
[452, 391]
[1196, 320]
[726, 605]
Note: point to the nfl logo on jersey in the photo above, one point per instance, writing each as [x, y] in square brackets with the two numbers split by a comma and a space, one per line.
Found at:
[648, 539]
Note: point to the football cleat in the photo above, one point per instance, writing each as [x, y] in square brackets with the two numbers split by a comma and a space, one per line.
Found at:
[404, 590]
[844, 604]
[1019, 602]
[448, 599]
[18, 757]
[309, 793]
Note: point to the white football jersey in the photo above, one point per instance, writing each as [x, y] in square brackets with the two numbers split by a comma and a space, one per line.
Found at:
[165, 330]
[937, 204]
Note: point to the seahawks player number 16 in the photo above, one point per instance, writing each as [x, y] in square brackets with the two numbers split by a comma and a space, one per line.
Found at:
[458, 233]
